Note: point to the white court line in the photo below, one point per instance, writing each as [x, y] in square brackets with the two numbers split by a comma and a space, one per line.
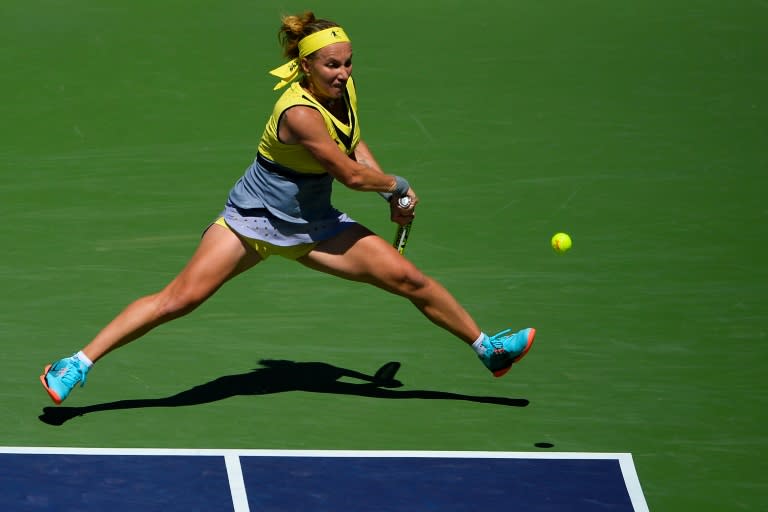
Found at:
[236, 483]
[56, 450]
[632, 482]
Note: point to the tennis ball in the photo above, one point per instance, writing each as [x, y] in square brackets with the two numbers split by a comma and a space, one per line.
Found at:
[561, 242]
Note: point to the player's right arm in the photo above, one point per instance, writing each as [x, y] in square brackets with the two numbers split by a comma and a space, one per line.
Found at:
[305, 126]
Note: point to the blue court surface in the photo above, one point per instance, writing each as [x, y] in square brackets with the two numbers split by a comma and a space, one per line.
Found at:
[116, 480]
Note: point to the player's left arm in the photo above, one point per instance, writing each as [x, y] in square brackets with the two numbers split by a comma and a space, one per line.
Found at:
[363, 155]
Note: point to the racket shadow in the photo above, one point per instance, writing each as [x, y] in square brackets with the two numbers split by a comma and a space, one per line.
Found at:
[280, 376]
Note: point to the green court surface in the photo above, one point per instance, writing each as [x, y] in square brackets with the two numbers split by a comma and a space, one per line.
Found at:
[640, 128]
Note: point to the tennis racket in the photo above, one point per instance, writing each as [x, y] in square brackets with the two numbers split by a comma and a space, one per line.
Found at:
[401, 236]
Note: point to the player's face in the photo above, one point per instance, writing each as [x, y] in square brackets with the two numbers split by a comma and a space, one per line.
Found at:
[328, 70]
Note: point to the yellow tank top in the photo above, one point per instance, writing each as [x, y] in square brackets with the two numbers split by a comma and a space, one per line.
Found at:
[295, 156]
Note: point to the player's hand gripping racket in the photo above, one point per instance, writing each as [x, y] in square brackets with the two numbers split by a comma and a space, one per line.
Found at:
[401, 237]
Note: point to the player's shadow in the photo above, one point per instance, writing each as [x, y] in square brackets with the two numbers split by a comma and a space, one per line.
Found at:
[278, 376]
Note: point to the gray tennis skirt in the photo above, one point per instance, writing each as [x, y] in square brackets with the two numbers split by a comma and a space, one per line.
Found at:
[260, 224]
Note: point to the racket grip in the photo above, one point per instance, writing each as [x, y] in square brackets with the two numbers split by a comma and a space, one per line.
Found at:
[403, 202]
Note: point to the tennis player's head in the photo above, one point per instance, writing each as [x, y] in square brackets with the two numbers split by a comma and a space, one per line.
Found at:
[322, 52]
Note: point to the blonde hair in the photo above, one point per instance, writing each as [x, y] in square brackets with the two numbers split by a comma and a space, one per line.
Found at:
[297, 27]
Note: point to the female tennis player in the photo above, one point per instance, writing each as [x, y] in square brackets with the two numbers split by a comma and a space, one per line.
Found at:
[282, 206]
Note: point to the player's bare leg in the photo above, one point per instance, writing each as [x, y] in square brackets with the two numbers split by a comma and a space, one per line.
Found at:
[220, 256]
[359, 255]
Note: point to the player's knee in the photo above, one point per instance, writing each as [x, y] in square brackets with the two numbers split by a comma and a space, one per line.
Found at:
[177, 302]
[411, 282]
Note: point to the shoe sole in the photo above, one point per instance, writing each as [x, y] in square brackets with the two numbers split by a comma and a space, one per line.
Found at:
[528, 345]
[54, 396]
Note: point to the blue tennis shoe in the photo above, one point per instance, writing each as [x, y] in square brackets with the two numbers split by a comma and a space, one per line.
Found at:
[505, 348]
[62, 376]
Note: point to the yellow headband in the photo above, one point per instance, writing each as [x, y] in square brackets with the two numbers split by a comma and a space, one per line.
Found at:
[307, 46]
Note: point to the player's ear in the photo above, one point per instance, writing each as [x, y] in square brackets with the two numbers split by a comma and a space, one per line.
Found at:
[304, 63]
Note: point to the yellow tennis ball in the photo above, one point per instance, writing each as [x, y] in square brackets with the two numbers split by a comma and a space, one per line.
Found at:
[561, 242]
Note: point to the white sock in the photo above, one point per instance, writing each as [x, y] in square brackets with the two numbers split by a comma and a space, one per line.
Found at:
[477, 345]
[84, 358]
